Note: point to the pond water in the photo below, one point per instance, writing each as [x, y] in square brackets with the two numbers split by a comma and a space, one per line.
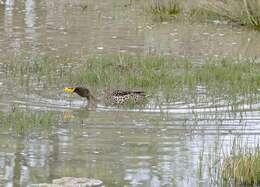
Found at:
[174, 144]
[108, 27]
[126, 147]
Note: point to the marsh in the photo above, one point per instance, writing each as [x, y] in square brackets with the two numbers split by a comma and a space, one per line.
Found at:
[202, 78]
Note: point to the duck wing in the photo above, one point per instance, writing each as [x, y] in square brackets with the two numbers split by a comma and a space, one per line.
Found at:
[124, 92]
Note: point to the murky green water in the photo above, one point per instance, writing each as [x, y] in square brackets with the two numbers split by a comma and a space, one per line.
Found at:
[174, 144]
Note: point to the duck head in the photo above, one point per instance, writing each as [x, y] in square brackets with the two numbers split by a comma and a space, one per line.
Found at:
[81, 91]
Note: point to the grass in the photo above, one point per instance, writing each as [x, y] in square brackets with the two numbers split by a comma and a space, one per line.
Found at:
[166, 78]
[24, 121]
[165, 9]
[42, 65]
[45, 69]
[243, 12]
[170, 77]
[242, 168]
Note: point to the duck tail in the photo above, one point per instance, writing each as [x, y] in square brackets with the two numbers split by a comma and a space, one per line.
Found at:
[138, 92]
[146, 96]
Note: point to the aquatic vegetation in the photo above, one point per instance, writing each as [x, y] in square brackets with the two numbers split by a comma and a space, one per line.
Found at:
[163, 77]
[165, 9]
[21, 65]
[239, 166]
[242, 168]
[203, 14]
[22, 121]
[41, 68]
[170, 77]
[29, 74]
[243, 12]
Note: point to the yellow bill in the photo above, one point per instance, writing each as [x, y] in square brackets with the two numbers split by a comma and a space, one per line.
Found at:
[69, 90]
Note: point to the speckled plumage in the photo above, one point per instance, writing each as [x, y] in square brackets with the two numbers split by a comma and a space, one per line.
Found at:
[121, 97]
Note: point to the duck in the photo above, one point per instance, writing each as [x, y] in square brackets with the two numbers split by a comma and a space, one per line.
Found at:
[115, 97]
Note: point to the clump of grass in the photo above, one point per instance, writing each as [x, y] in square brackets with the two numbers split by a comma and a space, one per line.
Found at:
[243, 12]
[204, 14]
[242, 168]
[23, 121]
[165, 9]
[239, 167]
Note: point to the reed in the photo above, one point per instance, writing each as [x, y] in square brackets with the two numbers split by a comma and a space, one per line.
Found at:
[242, 167]
[165, 9]
[242, 12]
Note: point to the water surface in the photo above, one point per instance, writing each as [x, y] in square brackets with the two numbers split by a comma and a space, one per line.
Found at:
[81, 28]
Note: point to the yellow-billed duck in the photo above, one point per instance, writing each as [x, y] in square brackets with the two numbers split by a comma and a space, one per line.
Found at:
[116, 97]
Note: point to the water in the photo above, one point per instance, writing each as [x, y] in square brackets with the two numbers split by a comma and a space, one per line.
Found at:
[63, 27]
[170, 145]
[125, 147]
